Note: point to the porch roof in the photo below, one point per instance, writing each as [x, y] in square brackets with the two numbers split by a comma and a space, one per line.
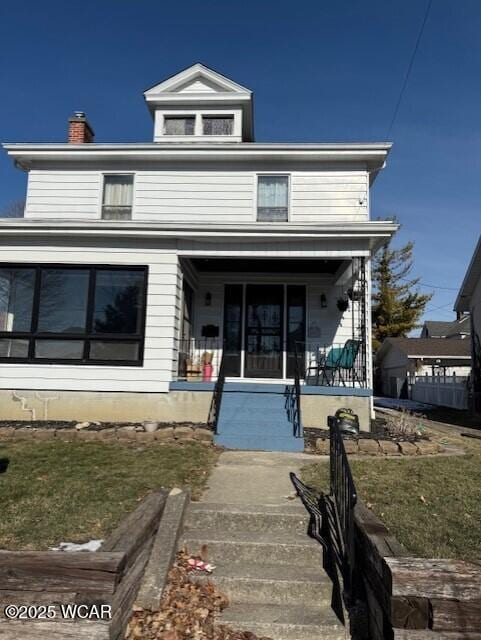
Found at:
[375, 233]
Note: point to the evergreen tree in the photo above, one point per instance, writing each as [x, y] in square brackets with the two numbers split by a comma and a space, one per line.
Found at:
[397, 304]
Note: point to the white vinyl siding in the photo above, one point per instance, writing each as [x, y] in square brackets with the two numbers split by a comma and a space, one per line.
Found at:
[194, 196]
[64, 195]
[329, 196]
[200, 196]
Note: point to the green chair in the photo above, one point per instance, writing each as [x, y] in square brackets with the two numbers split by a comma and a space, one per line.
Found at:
[339, 364]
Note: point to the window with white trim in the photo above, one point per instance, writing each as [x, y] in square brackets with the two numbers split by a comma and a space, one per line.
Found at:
[217, 125]
[272, 198]
[117, 197]
[179, 125]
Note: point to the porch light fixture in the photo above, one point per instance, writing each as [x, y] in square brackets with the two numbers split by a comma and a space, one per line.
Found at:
[323, 301]
[208, 299]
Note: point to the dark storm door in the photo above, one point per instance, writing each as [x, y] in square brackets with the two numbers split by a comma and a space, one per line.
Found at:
[264, 331]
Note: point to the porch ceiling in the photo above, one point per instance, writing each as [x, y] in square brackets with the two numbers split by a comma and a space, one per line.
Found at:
[267, 265]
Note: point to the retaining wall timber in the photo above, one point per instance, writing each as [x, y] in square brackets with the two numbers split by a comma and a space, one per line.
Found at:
[110, 576]
[409, 597]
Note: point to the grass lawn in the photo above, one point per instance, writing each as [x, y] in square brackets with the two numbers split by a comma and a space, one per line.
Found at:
[431, 505]
[60, 491]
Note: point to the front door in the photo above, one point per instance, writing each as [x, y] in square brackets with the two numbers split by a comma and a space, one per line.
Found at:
[264, 331]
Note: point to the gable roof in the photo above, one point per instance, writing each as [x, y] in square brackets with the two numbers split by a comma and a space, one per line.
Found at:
[461, 326]
[428, 348]
[470, 282]
[199, 85]
[437, 328]
[207, 78]
[447, 329]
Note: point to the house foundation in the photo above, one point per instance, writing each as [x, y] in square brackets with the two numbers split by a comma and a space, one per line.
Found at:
[178, 405]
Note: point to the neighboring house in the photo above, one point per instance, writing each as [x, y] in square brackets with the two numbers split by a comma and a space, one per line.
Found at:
[469, 301]
[459, 328]
[140, 267]
[399, 358]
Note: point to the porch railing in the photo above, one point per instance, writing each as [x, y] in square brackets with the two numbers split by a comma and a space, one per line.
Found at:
[334, 364]
[198, 359]
[314, 362]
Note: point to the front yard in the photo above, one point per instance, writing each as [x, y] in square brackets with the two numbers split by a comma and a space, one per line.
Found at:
[432, 505]
[58, 491]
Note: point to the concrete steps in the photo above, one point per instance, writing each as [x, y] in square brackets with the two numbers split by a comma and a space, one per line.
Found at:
[267, 566]
[271, 584]
[263, 518]
[281, 622]
[248, 547]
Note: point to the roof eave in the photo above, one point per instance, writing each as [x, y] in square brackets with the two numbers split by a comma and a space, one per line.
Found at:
[372, 155]
[470, 281]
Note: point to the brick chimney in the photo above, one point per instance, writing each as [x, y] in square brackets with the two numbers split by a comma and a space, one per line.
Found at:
[79, 130]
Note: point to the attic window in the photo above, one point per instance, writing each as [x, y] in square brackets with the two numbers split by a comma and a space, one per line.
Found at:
[218, 125]
[179, 125]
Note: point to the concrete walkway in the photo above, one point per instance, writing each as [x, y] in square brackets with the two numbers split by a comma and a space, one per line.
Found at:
[255, 477]
[255, 532]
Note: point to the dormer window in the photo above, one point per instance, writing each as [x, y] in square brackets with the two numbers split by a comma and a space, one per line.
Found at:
[217, 125]
[179, 125]
[117, 197]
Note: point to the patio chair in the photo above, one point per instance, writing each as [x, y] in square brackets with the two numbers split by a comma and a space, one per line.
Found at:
[339, 362]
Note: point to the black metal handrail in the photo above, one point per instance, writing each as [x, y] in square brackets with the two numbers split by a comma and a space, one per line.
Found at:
[293, 399]
[344, 495]
[214, 411]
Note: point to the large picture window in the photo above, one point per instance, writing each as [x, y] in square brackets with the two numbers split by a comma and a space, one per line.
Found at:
[78, 315]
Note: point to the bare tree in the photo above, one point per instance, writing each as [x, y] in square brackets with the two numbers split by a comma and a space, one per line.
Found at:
[13, 209]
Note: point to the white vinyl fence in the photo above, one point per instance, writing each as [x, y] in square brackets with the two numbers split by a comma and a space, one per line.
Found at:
[444, 391]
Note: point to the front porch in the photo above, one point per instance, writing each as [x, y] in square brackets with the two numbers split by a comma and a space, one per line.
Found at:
[280, 344]
[272, 321]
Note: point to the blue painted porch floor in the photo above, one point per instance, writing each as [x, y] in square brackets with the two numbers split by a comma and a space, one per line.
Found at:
[256, 420]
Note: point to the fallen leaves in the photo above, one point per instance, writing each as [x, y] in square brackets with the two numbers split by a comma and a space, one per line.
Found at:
[187, 611]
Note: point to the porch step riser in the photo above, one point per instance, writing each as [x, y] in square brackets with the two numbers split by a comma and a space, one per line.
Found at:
[247, 591]
[249, 552]
[258, 442]
[242, 427]
[258, 522]
[288, 632]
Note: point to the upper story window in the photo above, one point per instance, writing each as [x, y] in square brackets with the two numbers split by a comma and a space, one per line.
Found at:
[217, 125]
[272, 198]
[117, 197]
[179, 125]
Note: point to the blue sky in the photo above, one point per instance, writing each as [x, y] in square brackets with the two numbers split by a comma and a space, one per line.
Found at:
[321, 71]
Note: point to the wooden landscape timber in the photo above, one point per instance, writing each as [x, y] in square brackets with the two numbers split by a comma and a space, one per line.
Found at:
[110, 576]
[410, 597]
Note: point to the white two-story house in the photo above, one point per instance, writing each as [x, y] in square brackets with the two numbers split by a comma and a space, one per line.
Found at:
[143, 270]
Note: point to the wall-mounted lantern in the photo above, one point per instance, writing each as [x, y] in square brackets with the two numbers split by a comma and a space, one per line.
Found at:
[323, 301]
[208, 299]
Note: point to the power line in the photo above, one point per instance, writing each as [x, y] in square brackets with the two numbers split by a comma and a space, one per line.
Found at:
[409, 69]
[431, 286]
